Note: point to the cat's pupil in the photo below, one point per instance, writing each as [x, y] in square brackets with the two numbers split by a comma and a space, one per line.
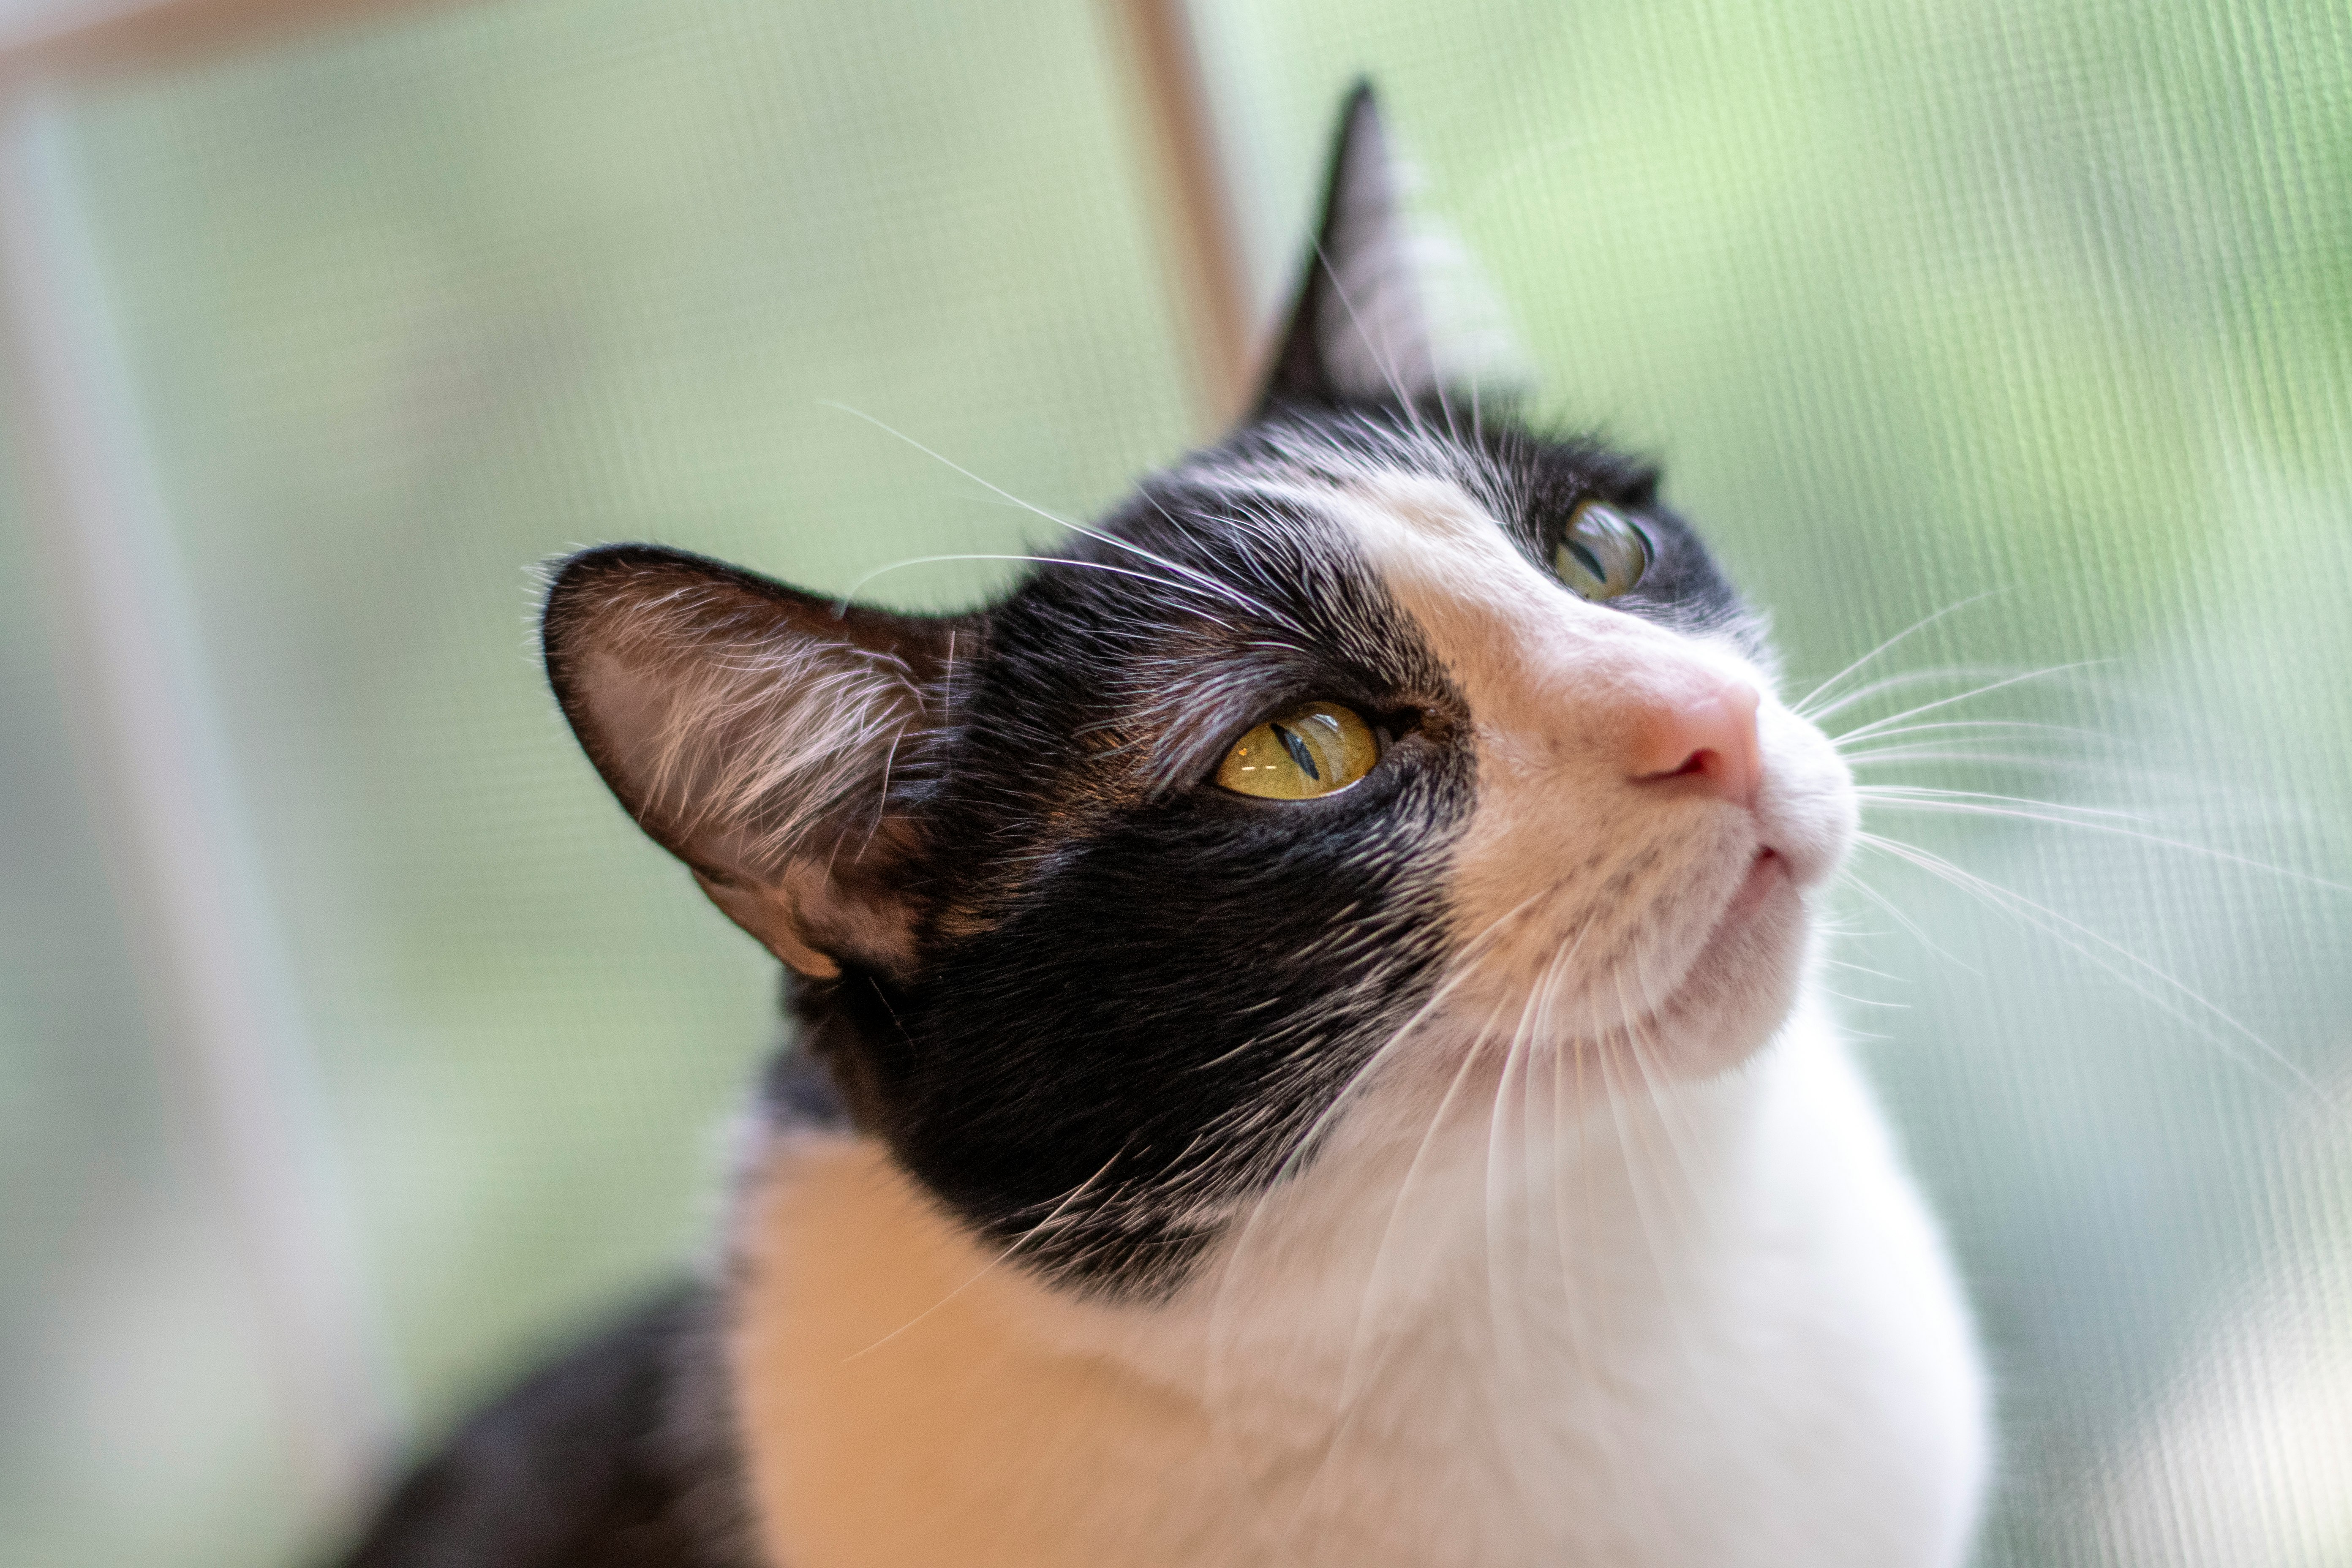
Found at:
[1591, 562]
[1298, 752]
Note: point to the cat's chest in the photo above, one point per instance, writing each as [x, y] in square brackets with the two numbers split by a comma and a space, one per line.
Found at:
[1511, 1352]
[906, 1400]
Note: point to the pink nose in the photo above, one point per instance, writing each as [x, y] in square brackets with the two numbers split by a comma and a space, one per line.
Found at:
[1701, 736]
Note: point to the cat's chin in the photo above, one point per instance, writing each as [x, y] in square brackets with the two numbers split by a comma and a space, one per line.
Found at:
[1738, 991]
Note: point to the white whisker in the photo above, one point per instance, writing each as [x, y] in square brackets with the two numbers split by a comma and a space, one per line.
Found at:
[1977, 802]
[1803, 707]
[2067, 930]
[1202, 581]
[1875, 726]
[991, 1267]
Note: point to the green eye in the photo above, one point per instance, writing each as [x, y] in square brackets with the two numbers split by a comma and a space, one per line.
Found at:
[1603, 554]
[1316, 748]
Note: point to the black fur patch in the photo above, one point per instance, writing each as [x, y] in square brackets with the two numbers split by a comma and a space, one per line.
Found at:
[619, 1455]
[1131, 1005]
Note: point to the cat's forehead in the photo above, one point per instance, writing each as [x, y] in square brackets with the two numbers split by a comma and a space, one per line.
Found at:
[1455, 532]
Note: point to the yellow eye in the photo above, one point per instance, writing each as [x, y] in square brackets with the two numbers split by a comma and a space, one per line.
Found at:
[1603, 554]
[1316, 748]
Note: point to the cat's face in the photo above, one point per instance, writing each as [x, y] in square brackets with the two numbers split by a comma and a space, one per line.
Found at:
[1089, 934]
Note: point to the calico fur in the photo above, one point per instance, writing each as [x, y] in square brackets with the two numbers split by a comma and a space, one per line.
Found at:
[1455, 1169]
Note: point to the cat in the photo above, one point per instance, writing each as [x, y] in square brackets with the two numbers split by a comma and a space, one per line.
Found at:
[1306, 1048]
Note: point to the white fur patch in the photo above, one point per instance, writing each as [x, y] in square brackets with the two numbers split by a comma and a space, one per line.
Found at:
[1593, 899]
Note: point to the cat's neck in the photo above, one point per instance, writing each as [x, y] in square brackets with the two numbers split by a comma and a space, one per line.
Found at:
[1505, 1300]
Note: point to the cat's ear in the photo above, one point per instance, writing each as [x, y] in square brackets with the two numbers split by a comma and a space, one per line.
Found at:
[1389, 310]
[751, 728]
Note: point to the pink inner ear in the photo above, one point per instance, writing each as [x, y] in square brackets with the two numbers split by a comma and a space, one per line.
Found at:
[748, 729]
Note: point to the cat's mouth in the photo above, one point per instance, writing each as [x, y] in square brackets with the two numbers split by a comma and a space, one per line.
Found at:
[1767, 870]
[1730, 945]
[1739, 985]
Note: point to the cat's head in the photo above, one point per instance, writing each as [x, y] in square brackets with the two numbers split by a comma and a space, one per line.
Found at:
[1381, 742]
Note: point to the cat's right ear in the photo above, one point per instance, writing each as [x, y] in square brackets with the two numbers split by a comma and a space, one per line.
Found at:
[751, 728]
[1391, 310]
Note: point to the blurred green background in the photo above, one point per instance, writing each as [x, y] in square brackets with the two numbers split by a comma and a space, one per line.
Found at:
[2041, 310]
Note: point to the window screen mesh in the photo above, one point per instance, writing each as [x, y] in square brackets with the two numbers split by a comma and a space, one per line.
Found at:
[2036, 316]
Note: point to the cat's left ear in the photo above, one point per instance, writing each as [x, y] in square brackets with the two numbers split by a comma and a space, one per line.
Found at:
[751, 728]
[1391, 310]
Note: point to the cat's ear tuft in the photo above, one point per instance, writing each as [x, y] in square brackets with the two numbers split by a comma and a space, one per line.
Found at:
[751, 730]
[1391, 310]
